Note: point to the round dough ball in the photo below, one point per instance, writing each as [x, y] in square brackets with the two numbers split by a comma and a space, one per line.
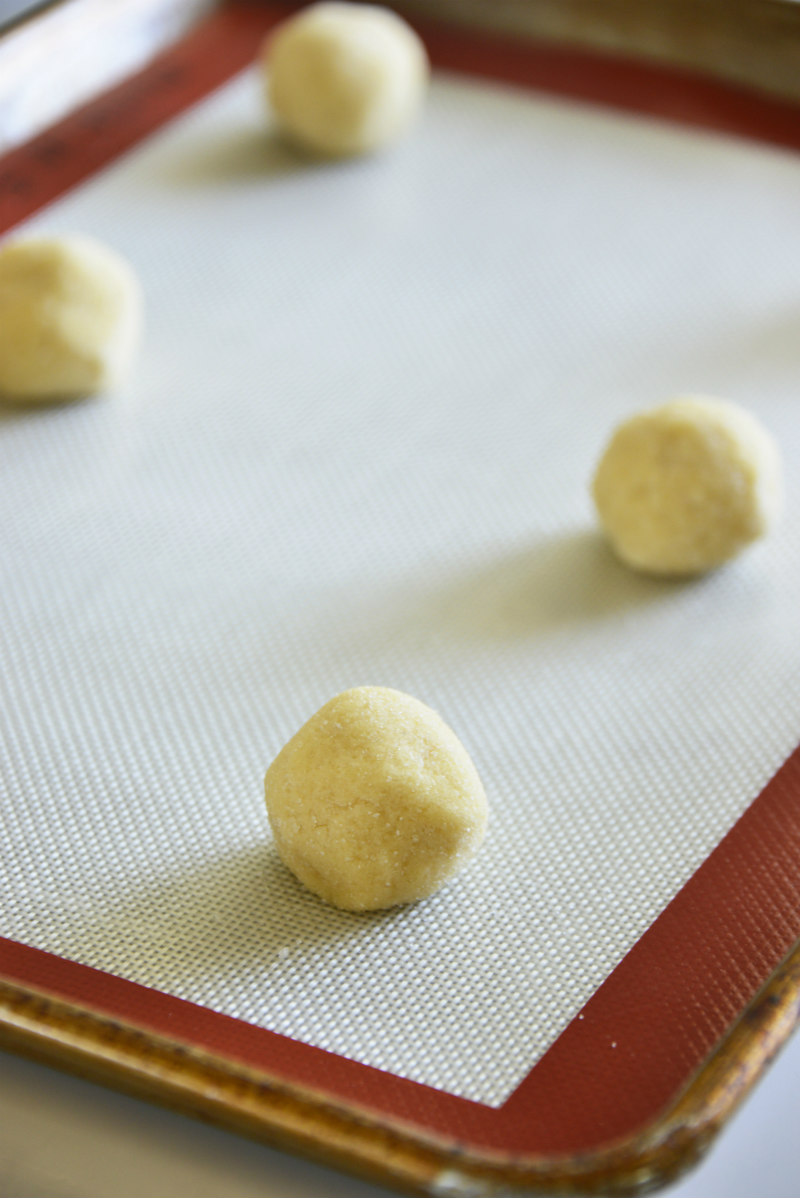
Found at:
[345, 79]
[70, 315]
[375, 801]
[684, 487]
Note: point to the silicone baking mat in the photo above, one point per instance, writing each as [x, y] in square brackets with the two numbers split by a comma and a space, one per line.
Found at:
[356, 449]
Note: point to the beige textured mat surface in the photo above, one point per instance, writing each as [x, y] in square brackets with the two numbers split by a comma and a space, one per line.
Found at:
[356, 450]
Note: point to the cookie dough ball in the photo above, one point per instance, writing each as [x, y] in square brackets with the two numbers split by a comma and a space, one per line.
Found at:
[70, 312]
[345, 79]
[684, 487]
[375, 801]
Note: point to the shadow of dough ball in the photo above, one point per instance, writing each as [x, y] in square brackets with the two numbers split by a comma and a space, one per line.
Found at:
[375, 801]
[345, 79]
[684, 487]
[70, 317]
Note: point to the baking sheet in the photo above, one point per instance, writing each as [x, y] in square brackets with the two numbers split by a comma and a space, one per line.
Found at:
[356, 450]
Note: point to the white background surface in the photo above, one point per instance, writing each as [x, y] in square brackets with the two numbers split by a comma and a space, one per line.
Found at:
[64, 1138]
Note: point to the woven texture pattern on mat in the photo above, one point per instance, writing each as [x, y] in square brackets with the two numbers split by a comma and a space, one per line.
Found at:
[356, 450]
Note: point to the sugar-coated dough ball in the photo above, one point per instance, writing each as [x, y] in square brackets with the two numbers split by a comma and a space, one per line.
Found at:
[375, 801]
[345, 79]
[70, 313]
[683, 487]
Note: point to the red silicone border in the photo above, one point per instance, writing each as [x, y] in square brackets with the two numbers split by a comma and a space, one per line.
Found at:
[41, 170]
[662, 1010]
[635, 1045]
